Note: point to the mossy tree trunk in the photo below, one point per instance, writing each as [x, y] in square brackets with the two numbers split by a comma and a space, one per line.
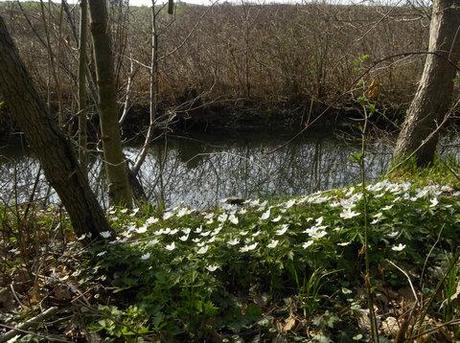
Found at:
[433, 97]
[48, 142]
[120, 193]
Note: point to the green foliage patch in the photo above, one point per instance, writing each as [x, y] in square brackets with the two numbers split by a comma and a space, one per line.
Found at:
[291, 267]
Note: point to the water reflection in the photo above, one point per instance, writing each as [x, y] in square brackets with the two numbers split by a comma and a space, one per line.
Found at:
[200, 171]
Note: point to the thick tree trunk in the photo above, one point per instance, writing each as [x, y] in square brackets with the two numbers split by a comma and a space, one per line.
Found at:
[50, 145]
[434, 93]
[82, 94]
[117, 174]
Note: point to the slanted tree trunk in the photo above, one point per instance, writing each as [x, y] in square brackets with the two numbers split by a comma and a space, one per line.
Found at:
[433, 97]
[48, 142]
[116, 167]
[82, 94]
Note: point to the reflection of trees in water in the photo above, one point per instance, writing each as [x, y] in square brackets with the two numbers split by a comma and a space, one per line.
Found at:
[200, 175]
[250, 170]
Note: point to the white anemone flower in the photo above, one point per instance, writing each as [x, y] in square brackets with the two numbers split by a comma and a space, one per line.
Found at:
[167, 215]
[203, 250]
[153, 242]
[277, 219]
[233, 242]
[142, 229]
[212, 239]
[145, 256]
[212, 267]
[265, 215]
[393, 234]
[254, 203]
[250, 247]
[434, 202]
[216, 231]
[222, 218]
[289, 203]
[263, 204]
[399, 247]
[348, 214]
[282, 230]
[233, 219]
[273, 243]
[105, 234]
[318, 234]
[307, 244]
[170, 247]
[209, 215]
[183, 212]
[184, 237]
[151, 220]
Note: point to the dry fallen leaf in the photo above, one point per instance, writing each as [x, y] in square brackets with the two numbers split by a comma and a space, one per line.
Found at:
[289, 324]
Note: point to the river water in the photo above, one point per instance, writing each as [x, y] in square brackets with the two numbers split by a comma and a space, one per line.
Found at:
[200, 171]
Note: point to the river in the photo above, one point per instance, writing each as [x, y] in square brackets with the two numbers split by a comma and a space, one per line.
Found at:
[199, 171]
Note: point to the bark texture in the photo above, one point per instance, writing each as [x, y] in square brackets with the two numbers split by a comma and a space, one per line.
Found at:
[49, 143]
[434, 93]
[120, 193]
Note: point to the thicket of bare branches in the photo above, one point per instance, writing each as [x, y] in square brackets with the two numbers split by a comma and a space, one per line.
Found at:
[257, 56]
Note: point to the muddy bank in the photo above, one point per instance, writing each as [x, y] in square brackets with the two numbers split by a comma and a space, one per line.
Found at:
[235, 117]
[249, 116]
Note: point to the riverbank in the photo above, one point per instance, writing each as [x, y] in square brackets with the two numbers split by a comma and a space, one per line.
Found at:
[235, 67]
[290, 270]
[234, 119]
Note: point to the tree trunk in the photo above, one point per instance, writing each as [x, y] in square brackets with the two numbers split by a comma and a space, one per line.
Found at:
[82, 94]
[120, 193]
[434, 93]
[48, 142]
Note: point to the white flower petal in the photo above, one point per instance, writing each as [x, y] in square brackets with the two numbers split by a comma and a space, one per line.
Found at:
[105, 234]
[399, 247]
[277, 219]
[273, 243]
[203, 250]
[170, 247]
[212, 267]
[265, 215]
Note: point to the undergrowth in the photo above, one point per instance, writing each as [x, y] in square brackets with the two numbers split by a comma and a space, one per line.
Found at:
[264, 270]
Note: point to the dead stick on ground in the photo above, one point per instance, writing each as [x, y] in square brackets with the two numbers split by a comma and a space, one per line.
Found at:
[39, 318]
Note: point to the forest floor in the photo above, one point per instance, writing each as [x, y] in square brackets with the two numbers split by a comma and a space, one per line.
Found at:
[290, 270]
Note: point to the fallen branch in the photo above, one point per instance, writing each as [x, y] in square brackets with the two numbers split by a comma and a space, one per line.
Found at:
[28, 323]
